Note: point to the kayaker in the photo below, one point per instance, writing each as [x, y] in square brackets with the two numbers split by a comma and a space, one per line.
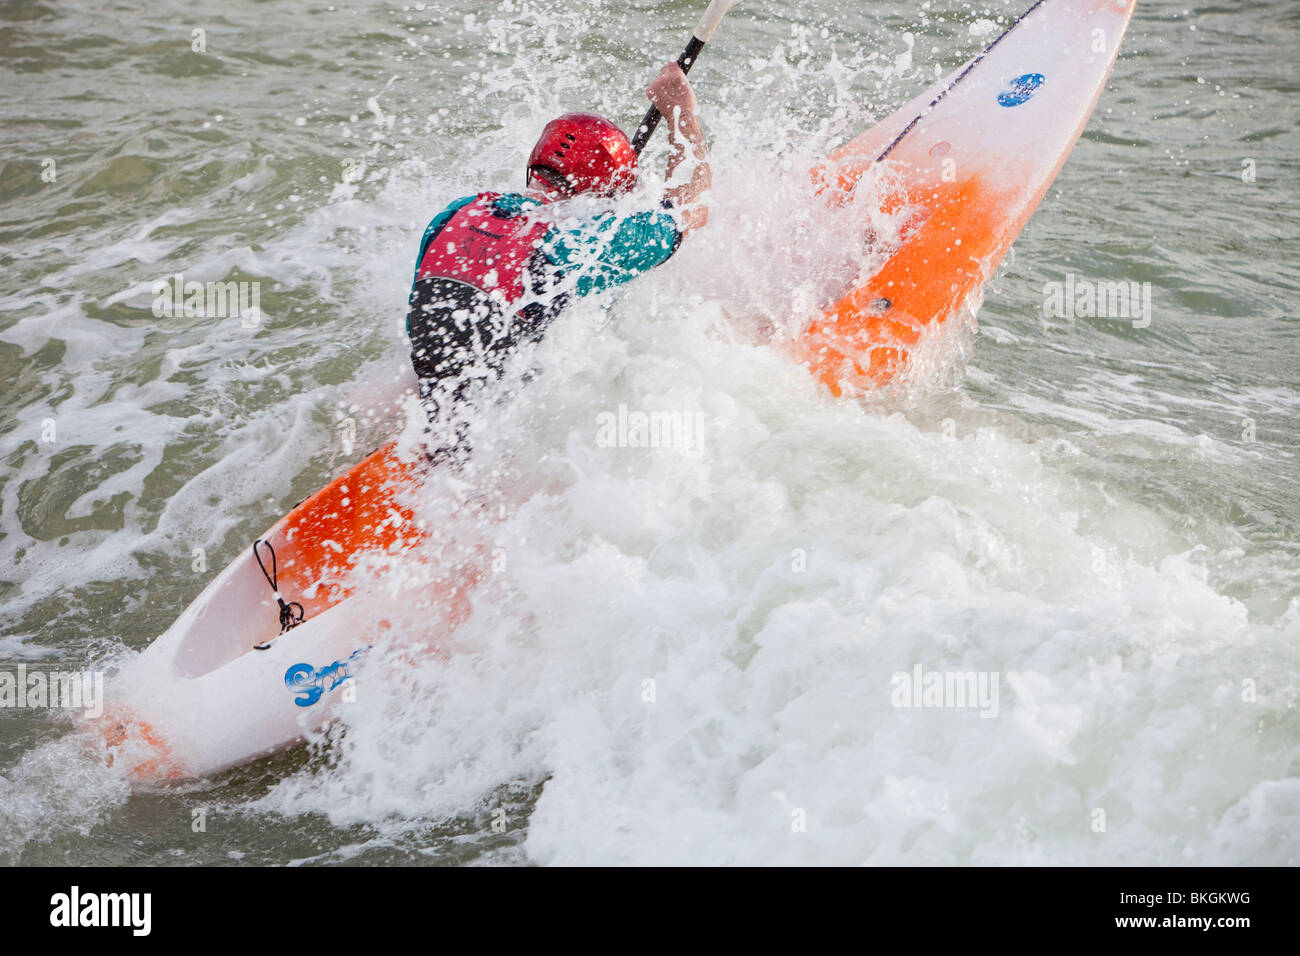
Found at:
[495, 269]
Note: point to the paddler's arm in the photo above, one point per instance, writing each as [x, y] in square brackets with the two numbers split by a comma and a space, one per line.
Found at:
[609, 250]
[672, 95]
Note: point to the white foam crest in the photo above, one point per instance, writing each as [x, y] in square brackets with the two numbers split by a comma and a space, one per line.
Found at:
[771, 686]
[57, 787]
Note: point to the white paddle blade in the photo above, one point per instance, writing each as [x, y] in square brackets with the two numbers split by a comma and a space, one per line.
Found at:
[712, 17]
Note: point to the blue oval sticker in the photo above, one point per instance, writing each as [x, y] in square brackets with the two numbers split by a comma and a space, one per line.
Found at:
[1020, 89]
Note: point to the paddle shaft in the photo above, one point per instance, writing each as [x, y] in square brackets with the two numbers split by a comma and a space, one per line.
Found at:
[712, 17]
[653, 116]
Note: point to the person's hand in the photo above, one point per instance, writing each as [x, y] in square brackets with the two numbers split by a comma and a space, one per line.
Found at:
[670, 90]
[675, 101]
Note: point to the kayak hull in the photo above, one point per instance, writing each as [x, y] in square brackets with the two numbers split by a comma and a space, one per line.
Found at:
[224, 684]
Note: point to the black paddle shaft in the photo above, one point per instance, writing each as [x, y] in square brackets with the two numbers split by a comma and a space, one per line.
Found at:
[652, 116]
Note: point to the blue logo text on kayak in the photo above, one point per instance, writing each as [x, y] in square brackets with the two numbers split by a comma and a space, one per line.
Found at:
[312, 684]
[1021, 89]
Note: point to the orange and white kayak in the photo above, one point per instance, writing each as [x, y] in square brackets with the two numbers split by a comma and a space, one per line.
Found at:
[262, 656]
[965, 164]
[267, 651]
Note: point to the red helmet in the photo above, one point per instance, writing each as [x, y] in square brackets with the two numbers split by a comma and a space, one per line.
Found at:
[582, 152]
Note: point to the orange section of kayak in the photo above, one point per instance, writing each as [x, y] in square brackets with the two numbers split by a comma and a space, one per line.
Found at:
[361, 511]
[135, 741]
[958, 231]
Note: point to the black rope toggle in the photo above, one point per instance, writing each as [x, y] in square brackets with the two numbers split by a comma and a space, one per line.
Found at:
[291, 614]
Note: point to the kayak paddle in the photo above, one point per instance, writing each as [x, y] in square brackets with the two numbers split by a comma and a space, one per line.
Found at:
[703, 31]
